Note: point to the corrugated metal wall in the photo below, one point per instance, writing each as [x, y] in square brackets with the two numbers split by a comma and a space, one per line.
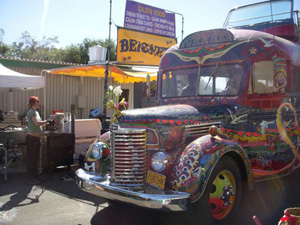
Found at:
[61, 92]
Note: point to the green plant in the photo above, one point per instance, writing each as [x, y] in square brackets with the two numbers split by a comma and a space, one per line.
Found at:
[112, 99]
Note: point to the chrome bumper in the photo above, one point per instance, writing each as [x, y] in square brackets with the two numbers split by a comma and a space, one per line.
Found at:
[144, 196]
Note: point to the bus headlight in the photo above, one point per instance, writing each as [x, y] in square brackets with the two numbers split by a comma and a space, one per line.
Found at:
[97, 151]
[100, 150]
[159, 161]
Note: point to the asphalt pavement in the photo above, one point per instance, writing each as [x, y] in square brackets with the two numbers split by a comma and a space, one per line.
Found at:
[58, 200]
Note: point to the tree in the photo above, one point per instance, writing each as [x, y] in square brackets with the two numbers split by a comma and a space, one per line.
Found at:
[71, 54]
[79, 53]
[29, 48]
[3, 47]
[44, 49]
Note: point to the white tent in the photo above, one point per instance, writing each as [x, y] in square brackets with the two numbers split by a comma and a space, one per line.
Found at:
[11, 80]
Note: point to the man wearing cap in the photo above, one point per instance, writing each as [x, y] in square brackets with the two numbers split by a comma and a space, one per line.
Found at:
[33, 137]
[190, 88]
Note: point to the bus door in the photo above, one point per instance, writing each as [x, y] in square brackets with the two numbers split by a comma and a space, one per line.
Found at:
[270, 120]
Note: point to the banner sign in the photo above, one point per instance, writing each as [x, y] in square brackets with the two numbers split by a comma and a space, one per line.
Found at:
[149, 19]
[141, 48]
[207, 37]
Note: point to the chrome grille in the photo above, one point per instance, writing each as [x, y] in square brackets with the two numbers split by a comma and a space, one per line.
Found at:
[200, 129]
[128, 156]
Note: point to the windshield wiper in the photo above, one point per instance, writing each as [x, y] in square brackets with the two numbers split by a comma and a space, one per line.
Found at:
[213, 74]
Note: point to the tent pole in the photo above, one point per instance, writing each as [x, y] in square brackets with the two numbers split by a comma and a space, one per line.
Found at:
[44, 114]
[10, 100]
[42, 138]
[107, 64]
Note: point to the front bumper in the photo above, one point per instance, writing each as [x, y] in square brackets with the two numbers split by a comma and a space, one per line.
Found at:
[144, 196]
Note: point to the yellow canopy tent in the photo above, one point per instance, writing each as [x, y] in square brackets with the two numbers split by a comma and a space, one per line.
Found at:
[99, 71]
[132, 75]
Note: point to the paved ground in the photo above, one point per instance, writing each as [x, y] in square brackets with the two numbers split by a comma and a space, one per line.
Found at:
[59, 201]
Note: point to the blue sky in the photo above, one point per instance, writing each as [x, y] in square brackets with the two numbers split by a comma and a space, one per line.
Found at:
[74, 20]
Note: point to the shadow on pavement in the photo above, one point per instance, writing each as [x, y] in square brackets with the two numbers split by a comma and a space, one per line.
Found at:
[123, 214]
[60, 181]
[267, 201]
[20, 194]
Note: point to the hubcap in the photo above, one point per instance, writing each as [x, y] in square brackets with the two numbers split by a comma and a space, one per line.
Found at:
[222, 194]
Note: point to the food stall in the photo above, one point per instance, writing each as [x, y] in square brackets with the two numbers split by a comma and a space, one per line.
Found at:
[12, 134]
[57, 144]
[67, 138]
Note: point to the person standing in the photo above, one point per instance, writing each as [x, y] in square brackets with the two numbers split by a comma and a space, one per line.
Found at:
[33, 137]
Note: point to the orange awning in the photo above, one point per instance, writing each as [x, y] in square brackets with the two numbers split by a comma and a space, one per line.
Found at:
[99, 71]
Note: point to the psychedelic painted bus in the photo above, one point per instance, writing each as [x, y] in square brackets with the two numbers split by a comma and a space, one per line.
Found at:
[227, 116]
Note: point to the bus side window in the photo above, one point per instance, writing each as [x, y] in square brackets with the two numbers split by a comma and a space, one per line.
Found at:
[262, 80]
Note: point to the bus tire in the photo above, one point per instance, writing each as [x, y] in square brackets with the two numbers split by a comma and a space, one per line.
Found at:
[220, 200]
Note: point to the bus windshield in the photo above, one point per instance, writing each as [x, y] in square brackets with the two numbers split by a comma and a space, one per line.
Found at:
[219, 79]
[263, 12]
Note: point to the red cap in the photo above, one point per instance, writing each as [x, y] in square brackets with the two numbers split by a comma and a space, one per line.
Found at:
[34, 98]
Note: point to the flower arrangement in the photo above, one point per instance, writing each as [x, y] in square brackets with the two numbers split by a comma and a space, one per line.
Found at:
[112, 96]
